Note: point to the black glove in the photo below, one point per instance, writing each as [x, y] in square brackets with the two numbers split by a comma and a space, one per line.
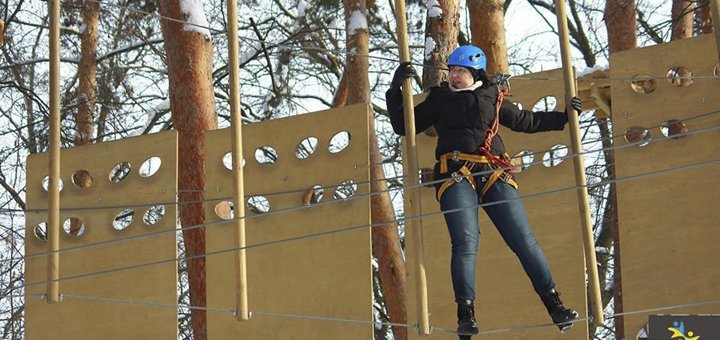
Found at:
[576, 104]
[405, 70]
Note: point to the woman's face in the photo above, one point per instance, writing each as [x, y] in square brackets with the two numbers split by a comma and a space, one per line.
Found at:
[460, 77]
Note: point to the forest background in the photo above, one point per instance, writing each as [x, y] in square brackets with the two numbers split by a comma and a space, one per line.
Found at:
[126, 62]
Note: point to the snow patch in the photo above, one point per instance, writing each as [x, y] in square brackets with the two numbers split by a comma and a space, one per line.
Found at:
[434, 10]
[161, 107]
[429, 47]
[591, 70]
[358, 21]
[196, 19]
[301, 8]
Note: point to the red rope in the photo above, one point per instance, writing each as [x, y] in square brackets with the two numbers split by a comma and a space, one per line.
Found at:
[492, 132]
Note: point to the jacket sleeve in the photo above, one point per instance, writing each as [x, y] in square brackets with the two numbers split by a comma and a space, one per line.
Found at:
[528, 121]
[426, 113]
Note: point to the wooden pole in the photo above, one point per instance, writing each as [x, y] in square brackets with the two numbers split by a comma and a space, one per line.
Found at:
[715, 9]
[241, 302]
[411, 178]
[53, 232]
[580, 180]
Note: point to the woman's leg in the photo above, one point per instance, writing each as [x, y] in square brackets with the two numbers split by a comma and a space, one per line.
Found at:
[511, 221]
[460, 200]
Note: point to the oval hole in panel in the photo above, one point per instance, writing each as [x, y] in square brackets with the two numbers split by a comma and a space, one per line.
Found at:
[150, 167]
[227, 161]
[82, 179]
[345, 190]
[306, 147]
[680, 76]
[224, 210]
[643, 84]
[266, 155]
[339, 142]
[40, 232]
[523, 160]
[73, 226]
[555, 155]
[673, 127]
[258, 204]
[313, 195]
[547, 103]
[637, 134]
[46, 183]
[119, 172]
[123, 219]
[154, 214]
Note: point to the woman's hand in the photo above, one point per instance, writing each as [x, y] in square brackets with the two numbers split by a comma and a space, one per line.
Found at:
[405, 70]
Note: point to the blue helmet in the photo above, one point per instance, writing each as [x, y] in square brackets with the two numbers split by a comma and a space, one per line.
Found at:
[468, 56]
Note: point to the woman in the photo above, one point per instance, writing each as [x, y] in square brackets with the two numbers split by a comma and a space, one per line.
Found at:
[465, 112]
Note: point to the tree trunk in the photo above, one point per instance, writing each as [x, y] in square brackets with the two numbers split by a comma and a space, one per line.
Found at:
[704, 17]
[85, 96]
[442, 27]
[385, 238]
[621, 25]
[189, 59]
[682, 19]
[487, 27]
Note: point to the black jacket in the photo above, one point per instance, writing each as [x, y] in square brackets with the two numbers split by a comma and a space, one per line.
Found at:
[461, 118]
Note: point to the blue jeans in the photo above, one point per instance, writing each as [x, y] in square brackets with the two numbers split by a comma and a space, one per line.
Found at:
[511, 221]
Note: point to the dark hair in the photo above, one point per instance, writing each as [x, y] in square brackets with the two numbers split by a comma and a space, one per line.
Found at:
[482, 75]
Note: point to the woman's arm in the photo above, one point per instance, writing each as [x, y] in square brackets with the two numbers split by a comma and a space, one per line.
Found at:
[426, 113]
[528, 121]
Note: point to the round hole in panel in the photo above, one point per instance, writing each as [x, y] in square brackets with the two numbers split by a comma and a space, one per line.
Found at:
[555, 155]
[306, 147]
[266, 155]
[123, 219]
[672, 128]
[637, 134]
[642, 334]
[154, 214]
[224, 210]
[547, 103]
[119, 172]
[82, 179]
[150, 167]
[313, 195]
[643, 84]
[716, 70]
[680, 76]
[345, 190]
[227, 161]
[522, 160]
[74, 226]
[40, 232]
[339, 142]
[258, 204]
[427, 175]
[46, 183]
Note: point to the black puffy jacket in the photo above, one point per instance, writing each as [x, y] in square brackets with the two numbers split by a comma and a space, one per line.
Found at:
[461, 118]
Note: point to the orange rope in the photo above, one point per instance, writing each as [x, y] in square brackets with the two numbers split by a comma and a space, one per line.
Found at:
[492, 132]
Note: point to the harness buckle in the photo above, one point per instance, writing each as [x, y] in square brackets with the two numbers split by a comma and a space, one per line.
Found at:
[457, 176]
[455, 156]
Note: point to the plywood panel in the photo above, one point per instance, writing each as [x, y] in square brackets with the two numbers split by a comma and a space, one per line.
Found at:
[326, 276]
[505, 297]
[97, 206]
[668, 222]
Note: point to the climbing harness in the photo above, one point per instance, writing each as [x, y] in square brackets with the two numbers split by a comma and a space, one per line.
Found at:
[497, 164]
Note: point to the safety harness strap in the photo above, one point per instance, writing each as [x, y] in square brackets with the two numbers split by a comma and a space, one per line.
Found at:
[465, 172]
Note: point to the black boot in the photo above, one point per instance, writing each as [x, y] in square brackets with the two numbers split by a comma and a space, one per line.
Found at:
[466, 318]
[560, 315]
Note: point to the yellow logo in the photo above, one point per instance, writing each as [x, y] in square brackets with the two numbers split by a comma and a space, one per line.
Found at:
[678, 331]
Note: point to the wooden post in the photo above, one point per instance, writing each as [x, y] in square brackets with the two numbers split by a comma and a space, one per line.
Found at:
[715, 9]
[2, 32]
[411, 178]
[53, 232]
[237, 151]
[580, 180]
